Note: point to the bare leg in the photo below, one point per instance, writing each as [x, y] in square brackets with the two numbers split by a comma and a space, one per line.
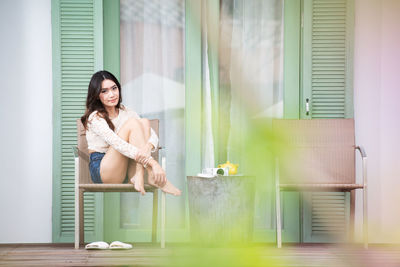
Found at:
[136, 170]
[168, 187]
[136, 177]
[114, 165]
[145, 124]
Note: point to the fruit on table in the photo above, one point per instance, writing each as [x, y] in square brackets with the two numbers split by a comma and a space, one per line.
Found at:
[220, 172]
[231, 167]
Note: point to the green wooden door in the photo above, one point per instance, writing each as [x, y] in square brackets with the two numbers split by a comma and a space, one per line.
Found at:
[77, 54]
[265, 223]
[327, 86]
[318, 71]
[127, 216]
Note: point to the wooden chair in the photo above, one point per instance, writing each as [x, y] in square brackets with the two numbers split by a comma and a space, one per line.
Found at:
[319, 156]
[83, 183]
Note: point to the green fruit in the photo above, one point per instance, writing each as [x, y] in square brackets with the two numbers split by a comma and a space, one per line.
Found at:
[220, 172]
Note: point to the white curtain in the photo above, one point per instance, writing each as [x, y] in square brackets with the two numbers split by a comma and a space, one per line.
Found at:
[207, 130]
[152, 77]
[251, 65]
[251, 86]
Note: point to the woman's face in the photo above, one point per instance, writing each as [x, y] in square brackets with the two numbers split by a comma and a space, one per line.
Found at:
[109, 94]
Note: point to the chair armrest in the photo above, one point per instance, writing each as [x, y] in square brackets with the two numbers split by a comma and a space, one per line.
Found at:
[80, 154]
[364, 165]
[75, 151]
[365, 194]
[362, 151]
[159, 150]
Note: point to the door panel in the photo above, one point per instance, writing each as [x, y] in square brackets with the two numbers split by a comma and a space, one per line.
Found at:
[77, 54]
[151, 68]
[327, 87]
[327, 59]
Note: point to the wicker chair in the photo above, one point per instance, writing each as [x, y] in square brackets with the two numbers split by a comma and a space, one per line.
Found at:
[83, 183]
[319, 156]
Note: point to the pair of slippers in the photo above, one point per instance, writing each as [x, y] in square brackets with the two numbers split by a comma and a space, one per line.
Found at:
[103, 245]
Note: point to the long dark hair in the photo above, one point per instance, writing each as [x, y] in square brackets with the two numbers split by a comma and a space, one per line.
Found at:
[93, 102]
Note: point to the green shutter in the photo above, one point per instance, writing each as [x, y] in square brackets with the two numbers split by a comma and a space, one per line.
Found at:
[327, 83]
[327, 58]
[77, 54]
[327, 216]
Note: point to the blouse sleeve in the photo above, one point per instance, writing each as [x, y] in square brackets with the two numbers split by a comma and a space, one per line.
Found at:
[100, 127]
[153, 139]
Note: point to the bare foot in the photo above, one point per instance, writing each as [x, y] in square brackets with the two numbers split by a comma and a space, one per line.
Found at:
[138, 183]
[167, 188]
[171, 189]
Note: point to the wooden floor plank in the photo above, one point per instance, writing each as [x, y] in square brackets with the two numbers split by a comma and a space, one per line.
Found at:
[66, 255]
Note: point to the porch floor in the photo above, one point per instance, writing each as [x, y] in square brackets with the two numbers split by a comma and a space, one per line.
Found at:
[181, 255]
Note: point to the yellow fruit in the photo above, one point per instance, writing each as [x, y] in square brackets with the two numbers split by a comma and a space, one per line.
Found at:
[231, 167]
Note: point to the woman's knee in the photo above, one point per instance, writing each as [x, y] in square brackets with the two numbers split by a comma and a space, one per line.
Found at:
[135, 125]
[138, 127]
[132, 123]
[145, 123]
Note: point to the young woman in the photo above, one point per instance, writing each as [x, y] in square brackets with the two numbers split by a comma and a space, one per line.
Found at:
[119, 141]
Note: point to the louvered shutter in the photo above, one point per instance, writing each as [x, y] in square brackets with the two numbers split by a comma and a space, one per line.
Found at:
[327, 216]
[327, 58]
[77, 54]
[327, 84]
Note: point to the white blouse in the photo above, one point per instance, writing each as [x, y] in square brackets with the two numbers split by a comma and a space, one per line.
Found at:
[100, 137]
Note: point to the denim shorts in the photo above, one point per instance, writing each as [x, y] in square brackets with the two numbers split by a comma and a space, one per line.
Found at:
[94, 167]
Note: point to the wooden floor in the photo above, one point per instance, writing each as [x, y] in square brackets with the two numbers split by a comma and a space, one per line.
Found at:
[147, 255]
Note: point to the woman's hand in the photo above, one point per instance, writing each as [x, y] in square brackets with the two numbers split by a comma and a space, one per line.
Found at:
[143, 154]
[160, 177]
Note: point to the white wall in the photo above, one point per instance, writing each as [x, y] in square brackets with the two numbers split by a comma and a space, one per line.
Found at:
[390, 119]
[26, 121]
[377, 110]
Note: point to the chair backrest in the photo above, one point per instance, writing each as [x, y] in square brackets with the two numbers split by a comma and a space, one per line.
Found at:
[84, 174]
[320, 151]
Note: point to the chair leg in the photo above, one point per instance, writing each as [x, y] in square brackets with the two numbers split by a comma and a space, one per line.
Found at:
[163, 220]
[278, 218]
[351, 233]
[77, 205]
[365, 203]
[155, 217]
[77, 213]
[365, 218]
[81, 217]
[278, 205]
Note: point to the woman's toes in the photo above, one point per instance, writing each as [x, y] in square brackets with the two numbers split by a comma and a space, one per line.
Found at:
[171, 189]
[139, 186]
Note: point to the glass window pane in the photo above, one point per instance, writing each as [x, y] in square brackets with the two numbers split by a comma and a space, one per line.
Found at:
[152, 78]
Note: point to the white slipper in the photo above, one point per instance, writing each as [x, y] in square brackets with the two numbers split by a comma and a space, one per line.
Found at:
[120, 245]
[97, 245]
